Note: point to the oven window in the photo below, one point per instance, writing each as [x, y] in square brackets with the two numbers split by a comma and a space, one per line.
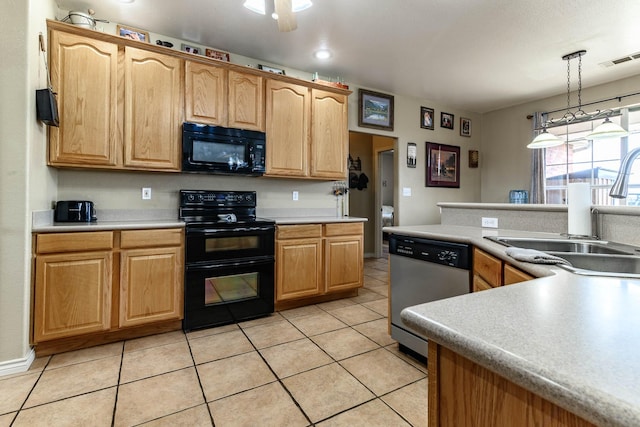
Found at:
[219, 152]
[222, 244]
[230, 288]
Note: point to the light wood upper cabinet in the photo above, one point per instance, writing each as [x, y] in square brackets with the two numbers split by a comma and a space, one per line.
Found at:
[246, 101]
[205, 94]
[153, 110]
[329, 135]
[288, 113]
[84, 75]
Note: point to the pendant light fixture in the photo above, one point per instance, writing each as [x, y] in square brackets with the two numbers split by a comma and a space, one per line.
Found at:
[607, 129]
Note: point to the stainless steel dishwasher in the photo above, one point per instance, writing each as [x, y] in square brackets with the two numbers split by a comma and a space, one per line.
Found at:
[422, 271]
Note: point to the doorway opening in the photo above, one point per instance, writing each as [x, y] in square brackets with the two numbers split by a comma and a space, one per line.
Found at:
[372, 177]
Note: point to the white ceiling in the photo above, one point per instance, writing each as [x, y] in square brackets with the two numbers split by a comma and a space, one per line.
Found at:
[476, 55]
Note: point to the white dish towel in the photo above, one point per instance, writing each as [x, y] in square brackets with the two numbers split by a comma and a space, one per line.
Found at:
[534, 256]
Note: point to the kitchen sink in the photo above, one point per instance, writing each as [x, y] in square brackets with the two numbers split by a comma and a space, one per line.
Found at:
[565, 245]
[601, 264]
[587, 257]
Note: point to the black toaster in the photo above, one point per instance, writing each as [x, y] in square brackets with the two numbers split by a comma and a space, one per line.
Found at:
[74, 211]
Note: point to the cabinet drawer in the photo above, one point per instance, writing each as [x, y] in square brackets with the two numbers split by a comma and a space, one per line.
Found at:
[343, 228]
[299, 231]
[488, 267]
[150, 238]
[73, 242]
[479, 284]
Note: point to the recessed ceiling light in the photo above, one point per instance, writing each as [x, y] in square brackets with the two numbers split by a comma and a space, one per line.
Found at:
[322, 54]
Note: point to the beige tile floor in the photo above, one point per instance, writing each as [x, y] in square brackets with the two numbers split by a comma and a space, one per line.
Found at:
[330, 364]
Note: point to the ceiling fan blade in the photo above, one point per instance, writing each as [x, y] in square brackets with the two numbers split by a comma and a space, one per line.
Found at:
[286, 17]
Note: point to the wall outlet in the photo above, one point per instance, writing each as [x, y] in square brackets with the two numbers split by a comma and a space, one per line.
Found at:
[146, 193]
[490, 222]
[295, 195]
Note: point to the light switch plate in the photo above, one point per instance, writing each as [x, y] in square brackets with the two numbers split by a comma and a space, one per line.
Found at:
[295, 195]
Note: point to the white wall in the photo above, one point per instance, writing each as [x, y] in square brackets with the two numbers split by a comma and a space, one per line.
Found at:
[504, 159]
[421, 207]
[25, 181]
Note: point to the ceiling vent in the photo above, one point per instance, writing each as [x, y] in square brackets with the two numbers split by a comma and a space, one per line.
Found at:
[621, 60]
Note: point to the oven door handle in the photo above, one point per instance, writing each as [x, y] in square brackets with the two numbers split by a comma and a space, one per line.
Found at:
[210, 265]
[227, 230]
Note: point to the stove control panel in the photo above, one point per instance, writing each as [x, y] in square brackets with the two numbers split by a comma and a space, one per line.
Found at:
[206, 198]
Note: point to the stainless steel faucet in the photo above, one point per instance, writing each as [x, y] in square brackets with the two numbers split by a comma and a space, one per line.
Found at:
[620, 186]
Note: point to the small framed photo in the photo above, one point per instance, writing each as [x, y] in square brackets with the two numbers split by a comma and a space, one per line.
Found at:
[375, 110]
[133, 33]
[271, 69]
[426, 118]
[473, 158]
[465, 126]
[191, 49]
[217, 54]
[443, 165]
[412, 155]
[446, 120]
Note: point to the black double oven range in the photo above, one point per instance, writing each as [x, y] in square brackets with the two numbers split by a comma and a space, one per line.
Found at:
[229, 258]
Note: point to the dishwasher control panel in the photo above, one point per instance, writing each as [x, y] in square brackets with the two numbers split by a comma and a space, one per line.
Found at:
[446, 253]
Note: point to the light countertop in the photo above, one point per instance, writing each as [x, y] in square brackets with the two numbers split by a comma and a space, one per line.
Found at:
[574, 340]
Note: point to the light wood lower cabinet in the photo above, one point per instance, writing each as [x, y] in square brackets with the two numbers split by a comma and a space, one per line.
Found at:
[95, 284]
[315, 260]
[490, 272]
[463, 393]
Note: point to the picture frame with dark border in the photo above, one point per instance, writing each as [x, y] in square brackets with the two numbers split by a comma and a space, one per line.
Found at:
[443, 165]
[465, 127]
[217, 54]
[412, 154]
[270, 69]
[191, 49]
[133, 33]
[426, 118]
[375, 110]
[446, 120]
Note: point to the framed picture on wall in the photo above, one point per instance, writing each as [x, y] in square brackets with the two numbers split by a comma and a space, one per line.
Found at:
[426, 118]
[375, 110]
[443, 165]
[446, 120]
[465, 126]
[412, 155]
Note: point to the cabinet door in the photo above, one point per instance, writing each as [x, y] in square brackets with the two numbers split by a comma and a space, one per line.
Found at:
[84, 75]
[205, 94]
[72, 294]
[151, 285]
[513, 275]
[329, 135]
[479, 284]
[343, 263]
[488, 267]
[287, 114]
[298, 268]
[153, 110]
[246, 101]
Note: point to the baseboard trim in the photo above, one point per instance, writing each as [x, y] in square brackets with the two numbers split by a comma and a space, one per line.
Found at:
[16, 366]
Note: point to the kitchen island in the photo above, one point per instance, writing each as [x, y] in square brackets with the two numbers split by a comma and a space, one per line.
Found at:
[571, 342]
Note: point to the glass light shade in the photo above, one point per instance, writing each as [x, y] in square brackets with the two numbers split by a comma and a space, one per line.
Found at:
[607, 129]
[256, 6]
[544, 140]
[300, 5]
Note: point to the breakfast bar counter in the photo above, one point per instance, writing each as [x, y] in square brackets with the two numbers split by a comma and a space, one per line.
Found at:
[572, 340]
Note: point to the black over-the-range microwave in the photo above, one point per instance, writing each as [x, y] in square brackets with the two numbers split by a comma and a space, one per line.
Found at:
[220, 150]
